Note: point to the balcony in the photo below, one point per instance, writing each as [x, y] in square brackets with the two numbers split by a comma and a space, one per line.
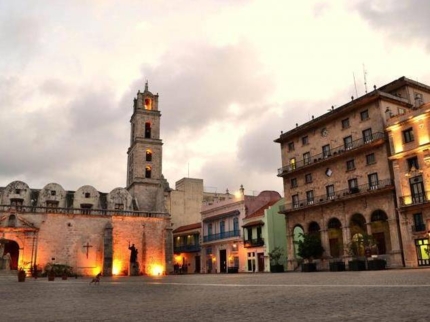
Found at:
[334, 152]
[420, 228]
[253, 242]
[336, 196]
[186, 249]
[77, 211]
[224, 235]
[416, 199]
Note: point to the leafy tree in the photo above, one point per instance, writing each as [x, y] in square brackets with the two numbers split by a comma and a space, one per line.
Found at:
[310, 247]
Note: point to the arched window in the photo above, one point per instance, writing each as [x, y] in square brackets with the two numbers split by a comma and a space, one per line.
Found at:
[148, 155]
[147, 130]
[297, 235]
[148, 104]
[147, 171]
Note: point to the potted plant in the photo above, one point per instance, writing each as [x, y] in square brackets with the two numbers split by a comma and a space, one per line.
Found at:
[21, 275]
[51, 275]
[309, 248]
[275, 257]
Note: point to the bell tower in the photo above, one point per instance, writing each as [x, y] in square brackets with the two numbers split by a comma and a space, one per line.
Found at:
[144, 165]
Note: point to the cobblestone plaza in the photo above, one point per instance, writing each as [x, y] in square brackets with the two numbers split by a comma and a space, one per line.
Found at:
[391, 295]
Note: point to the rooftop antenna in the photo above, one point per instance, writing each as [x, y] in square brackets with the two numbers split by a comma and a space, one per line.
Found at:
[355, 85]
[365, 78]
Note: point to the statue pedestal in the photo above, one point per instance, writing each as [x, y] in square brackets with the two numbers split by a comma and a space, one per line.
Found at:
[134, 269]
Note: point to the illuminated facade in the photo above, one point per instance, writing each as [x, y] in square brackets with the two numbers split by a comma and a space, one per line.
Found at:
[91, 230]
[338, 180]
[409, 133]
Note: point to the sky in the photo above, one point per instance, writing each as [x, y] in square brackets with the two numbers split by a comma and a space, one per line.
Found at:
[230, 74]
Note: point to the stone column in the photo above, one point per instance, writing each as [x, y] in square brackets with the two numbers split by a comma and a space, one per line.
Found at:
[107, 250]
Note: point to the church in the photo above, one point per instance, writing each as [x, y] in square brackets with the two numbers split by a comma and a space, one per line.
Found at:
[124, 232]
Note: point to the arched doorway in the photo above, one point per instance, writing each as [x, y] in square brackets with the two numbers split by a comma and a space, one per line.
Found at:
[380, 231]
[12, 248]
[335, 237]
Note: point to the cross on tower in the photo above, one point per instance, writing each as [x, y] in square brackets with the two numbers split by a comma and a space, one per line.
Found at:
[87, 246]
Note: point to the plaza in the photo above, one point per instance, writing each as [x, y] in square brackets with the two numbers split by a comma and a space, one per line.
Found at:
[391, 295]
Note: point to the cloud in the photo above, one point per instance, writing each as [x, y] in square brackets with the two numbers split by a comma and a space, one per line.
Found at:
[404, 21]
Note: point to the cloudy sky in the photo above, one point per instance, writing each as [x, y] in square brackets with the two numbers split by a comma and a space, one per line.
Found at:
[231, 75]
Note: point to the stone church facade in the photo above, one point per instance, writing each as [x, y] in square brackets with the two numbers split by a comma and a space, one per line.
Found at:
[89, 230]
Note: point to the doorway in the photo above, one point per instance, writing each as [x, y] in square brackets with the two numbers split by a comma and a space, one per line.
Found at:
[12, 248]
[197, 264]
[260, 257]
[223, 261]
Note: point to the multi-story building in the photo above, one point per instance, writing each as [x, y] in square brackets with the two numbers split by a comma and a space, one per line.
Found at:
[263, 231]
[223, 248]
[409, 135]
[338, 180]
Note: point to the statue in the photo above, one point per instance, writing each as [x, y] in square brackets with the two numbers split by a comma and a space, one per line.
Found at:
[133, 253]
[6, 263]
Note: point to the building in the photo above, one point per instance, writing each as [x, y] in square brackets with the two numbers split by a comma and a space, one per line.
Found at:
[263, 231]
[338, 179]
[223, 248]
[89, 230]
[409, 136]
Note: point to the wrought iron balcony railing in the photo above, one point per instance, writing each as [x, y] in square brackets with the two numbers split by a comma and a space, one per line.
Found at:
[354, 145]
[76, 211]
[224, 235]
[186, 249]
[253, 242]
[338, 195]
[416, 199]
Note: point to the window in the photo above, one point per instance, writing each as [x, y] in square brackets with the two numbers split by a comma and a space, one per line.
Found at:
[373, 181]
[17, 191]
[53, 192]
[419, 223]
[222, 228]
[306, 158]
[51, 205]
[236, 224]
[401, 111]
[148, 104]
[370, 158]
[147, 130]
[310, 197]
[292, 163]
[119, 206]
[330, 191]
[347, 142]
[408, 135]
[413, 162]
[367, 135]
[350, 165]
[294, 183]
[148, 171]
[209, 229]
[290, 146]
[295, 200]
[364, 115]
[305, 140]
[345, 123]
[326, 150]
[148, 155]
[353, 186]
[87, 195]
[308, 178]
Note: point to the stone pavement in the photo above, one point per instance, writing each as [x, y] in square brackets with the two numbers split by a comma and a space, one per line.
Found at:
[392, 295]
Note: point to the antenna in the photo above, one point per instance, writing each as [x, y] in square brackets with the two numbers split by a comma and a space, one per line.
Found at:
[365, 78]
[355, 85]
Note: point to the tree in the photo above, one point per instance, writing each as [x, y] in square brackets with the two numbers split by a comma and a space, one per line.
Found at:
[310, 247]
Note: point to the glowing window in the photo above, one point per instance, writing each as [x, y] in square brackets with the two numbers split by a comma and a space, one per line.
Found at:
[148, 172]
[148, 155]
[148, 104]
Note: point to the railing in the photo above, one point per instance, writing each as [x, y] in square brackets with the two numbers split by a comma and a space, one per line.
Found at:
[84, 211]
[419, 228]
[186, 249]
[338, 195]
[415, 199]
[224, 235]
[253, 242]
[332, 153]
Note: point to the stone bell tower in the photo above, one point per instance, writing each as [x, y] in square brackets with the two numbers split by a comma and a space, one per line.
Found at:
[144, 166]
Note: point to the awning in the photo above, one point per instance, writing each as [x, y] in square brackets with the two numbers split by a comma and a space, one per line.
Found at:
[254, 223]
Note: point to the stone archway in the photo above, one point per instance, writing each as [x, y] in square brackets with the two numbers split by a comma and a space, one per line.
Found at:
[380, 232]
[357, 228]
[335, 238]
[10, 254]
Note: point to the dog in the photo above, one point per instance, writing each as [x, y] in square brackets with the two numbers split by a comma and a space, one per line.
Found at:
[96, 280]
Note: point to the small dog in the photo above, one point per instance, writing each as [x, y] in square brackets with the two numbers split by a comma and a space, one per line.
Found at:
[96, 280]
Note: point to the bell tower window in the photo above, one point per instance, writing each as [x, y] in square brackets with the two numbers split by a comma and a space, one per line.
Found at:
[148, 172]
[148, 155]
[148, 104]
[147, 130]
